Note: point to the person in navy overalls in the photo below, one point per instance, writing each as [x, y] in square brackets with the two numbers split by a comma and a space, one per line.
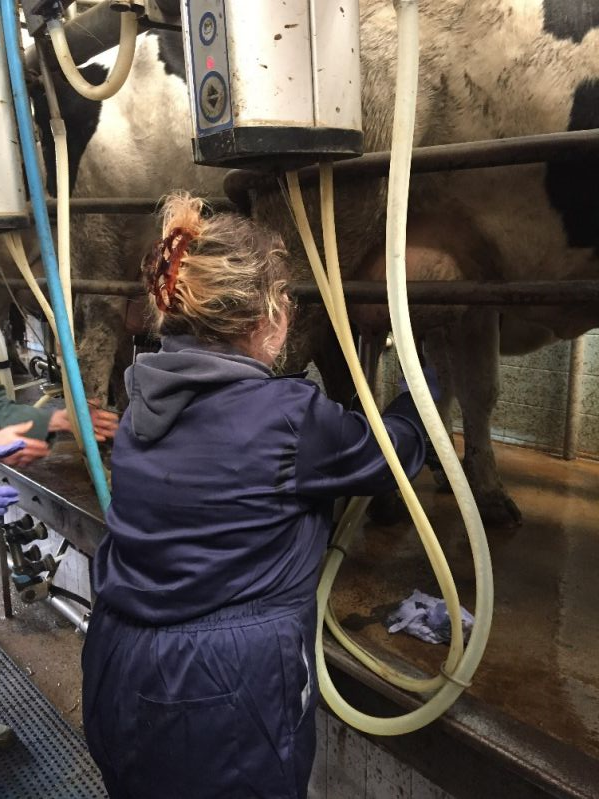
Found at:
[199, 677]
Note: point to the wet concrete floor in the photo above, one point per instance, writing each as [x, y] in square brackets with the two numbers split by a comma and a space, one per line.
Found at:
[541, 662]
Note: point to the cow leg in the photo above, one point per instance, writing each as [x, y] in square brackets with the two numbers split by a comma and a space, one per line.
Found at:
[99, 325]
[123, 359]
[474, 354]
[314, 340]
[436, 352]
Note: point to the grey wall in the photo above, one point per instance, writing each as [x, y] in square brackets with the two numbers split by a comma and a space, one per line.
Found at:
[348, 766]
[531, 410]
[532, 404]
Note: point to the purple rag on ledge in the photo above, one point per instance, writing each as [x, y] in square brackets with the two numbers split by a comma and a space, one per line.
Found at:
[426, 617]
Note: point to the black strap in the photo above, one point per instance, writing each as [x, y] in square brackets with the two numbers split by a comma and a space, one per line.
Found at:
[57, 591]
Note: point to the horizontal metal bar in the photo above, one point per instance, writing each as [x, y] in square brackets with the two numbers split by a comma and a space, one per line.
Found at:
[427, 292]
[545, 147]
[79, 618]
[129, 205]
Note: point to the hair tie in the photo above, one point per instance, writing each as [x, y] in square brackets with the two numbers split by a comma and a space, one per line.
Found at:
[162, 266]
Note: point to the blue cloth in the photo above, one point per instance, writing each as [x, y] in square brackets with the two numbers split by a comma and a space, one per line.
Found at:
[14, 446]
[233, 501]
[426, 617]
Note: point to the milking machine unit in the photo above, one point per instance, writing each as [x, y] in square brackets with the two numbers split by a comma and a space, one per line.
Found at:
[273, 84]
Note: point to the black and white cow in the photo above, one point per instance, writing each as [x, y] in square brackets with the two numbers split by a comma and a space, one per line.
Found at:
[491, 69]
[494, 68]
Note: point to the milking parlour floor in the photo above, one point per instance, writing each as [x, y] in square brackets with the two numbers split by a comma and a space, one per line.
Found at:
[540, 667]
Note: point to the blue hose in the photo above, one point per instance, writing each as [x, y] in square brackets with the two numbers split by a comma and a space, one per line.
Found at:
[42, 223]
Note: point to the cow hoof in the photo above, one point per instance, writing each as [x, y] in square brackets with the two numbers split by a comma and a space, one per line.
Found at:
[387, 510]
[498, 510]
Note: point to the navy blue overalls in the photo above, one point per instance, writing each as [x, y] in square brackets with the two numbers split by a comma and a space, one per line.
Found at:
[198, 668]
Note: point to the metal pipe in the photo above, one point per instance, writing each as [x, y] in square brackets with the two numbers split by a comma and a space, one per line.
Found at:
[574, 398]
[128, 205]
[562, 146]
[5, 577]
[80, 620]
[424, 292]
[110, 205]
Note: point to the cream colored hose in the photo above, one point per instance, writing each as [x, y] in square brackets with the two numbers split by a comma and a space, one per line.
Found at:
[458, 670]
[120, 70]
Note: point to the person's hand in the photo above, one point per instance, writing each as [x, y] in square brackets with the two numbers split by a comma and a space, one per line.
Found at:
[432, 381]
[105, 423]
[8, 496]
[31, 450]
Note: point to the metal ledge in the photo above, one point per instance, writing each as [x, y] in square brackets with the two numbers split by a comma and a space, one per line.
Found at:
[83, 527]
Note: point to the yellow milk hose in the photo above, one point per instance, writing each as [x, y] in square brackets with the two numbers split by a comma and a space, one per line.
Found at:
[459, 668]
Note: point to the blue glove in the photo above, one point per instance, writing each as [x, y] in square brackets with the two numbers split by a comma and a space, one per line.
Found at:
[8, 496]
[10, 449]
[432, 382]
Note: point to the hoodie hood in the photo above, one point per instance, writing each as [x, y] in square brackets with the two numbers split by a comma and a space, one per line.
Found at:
[161, 384]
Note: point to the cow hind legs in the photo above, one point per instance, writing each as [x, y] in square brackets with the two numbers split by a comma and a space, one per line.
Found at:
[99, 321]
[385, 509]
[474, 355]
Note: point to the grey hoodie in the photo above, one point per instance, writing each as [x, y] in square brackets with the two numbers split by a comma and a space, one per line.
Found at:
[161, 384]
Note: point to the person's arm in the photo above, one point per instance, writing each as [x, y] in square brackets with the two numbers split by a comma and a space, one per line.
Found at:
[46, 421]
[105, 423]
[338, 455]
[12, 413]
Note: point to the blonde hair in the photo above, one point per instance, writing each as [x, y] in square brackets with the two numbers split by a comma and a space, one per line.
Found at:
[232, 274]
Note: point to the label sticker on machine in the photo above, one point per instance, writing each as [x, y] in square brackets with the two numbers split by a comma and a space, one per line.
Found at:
[208, 65]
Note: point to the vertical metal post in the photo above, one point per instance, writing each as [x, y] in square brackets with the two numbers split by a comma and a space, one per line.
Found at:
[574, 398]
[5, 577]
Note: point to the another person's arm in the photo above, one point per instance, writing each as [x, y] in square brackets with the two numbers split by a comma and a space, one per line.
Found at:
[12, 413]
[35, 425]
[105, 422]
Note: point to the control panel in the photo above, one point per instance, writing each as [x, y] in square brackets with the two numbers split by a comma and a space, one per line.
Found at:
[207, 39]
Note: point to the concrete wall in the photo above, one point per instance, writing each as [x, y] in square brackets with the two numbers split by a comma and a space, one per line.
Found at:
[534, 388]
[531, 410]
[348, 765]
